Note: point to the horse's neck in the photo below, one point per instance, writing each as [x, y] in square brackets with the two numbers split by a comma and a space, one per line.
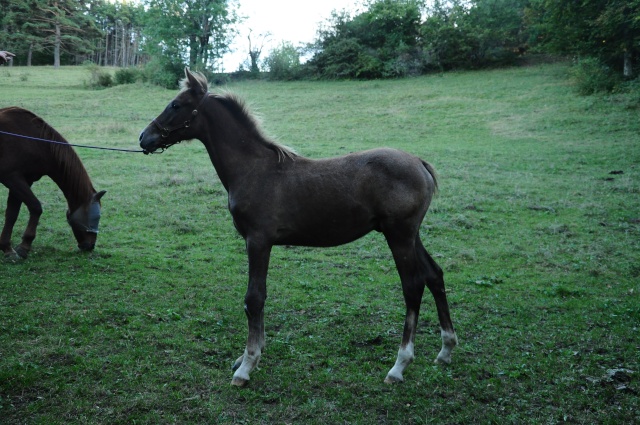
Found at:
[235, 156]
[72, 178]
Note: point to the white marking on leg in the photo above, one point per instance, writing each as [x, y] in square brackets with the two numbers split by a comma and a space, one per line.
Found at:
[405, 357]
[249, 362]
[449, 341]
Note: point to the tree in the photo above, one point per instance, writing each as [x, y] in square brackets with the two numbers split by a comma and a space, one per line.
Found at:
[256, 51]
[194, 31]
[62, 25]
[608, 30]
[52, 26]
[380, 42]
[283, 62]
[120, 28]
[448, 38]
[474, 34]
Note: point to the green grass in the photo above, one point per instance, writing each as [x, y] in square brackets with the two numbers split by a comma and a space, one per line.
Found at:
[539, 243]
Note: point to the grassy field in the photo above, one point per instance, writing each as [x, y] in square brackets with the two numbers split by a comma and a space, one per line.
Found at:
[536, 226]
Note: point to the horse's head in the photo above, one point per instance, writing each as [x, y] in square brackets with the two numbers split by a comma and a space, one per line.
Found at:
[84, 222]
[174, 124]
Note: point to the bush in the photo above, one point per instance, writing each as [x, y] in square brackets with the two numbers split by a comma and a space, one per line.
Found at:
[592, 76]
[284, 62]
[127, 76]
[99, 77]
[163, 73]
[105, 79]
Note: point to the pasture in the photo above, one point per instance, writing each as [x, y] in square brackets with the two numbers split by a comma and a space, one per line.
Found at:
[536, 227]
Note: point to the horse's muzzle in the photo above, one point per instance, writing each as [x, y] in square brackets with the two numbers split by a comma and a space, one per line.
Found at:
[148, 146]
[87, 247]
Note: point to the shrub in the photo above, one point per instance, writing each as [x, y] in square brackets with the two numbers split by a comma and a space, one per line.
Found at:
[127, 76]
[284, 62]
[98, 76]
[592, 76]
[163, 73]
[105, 79]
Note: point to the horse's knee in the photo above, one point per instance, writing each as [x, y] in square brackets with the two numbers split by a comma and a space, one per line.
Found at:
[35, 209]
[254, 303]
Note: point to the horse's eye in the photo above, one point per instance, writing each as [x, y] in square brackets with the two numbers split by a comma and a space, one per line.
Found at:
[174, 105]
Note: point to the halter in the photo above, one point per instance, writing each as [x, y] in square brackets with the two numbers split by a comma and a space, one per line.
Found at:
[166, 131]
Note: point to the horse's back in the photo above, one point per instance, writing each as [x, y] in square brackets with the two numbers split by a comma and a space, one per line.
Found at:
[390, 172]
[379, 183]
[18, 154]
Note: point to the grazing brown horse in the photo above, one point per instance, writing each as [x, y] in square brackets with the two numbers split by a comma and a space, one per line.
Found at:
[277, 197]
[26, 156]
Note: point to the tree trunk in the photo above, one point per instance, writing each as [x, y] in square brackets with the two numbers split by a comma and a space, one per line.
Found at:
[106, 48]
[193, 51]
[124, 46]
[254, 55]
[628, 65]
[29, 54]
[116, 53]
[56, 48]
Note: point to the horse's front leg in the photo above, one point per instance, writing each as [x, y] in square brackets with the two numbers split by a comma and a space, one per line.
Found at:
[254, 300]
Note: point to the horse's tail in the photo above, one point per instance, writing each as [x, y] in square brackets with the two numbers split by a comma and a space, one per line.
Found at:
[432, 172]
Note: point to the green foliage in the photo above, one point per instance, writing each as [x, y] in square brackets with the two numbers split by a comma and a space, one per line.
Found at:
[458, 35]
[609, 31]
[105, 79]
[591, 76]
[283, 62]
[63, 29]
[99, 77]
[378, 43]
[163, 72]
[202, 28]
[127, 75]
[345, 58]
[390, 39]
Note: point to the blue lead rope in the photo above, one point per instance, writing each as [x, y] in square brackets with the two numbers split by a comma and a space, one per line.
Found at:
[70, 144]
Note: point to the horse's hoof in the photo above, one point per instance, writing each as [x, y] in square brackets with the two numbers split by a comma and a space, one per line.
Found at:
[444, 358]
[239, 382]
[393, 379]
[22, 252]
[12, 256]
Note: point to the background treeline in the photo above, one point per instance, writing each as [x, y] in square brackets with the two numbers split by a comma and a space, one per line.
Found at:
[157, 37]
[384, 39]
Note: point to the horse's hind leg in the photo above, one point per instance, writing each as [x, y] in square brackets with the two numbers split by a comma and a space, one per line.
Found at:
[416, 267]
[21, 191]
[435, 283]
[10, 218]
[413, 282]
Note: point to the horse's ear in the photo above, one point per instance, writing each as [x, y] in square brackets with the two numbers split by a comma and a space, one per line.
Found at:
[194, 85]
[97, 196]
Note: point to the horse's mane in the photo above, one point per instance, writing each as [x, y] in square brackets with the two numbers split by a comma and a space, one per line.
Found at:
[238, 108]
[75, 178]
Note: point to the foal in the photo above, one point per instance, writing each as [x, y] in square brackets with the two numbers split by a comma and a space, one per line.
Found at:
[277, 197]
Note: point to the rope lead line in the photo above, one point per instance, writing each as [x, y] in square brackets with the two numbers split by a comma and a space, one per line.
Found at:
[70, 144]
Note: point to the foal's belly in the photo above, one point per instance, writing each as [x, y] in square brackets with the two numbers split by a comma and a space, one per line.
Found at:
[325, 231]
